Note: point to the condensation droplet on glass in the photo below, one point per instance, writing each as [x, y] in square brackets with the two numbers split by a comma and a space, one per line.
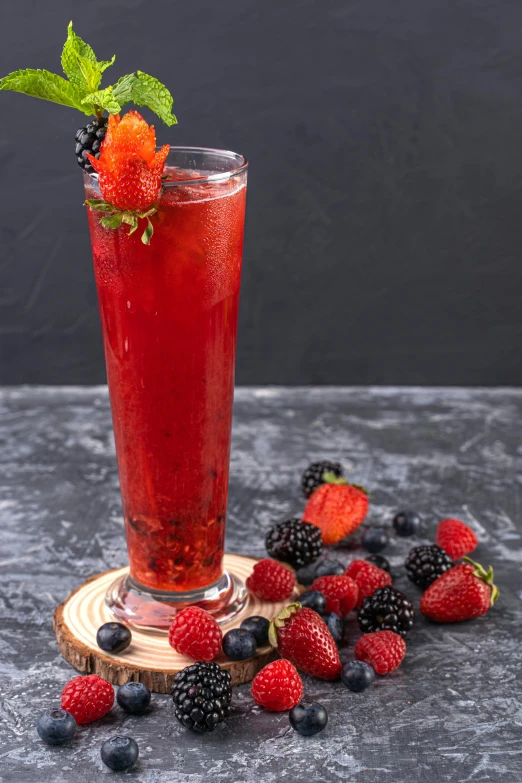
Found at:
[126, 343]
[128, 304]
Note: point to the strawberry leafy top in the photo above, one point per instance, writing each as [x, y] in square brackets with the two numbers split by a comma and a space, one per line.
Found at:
[80, 89]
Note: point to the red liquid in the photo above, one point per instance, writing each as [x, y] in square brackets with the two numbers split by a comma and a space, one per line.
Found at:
[169, 320]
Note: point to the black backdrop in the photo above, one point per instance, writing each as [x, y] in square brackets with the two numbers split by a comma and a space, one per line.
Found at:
[384, 222]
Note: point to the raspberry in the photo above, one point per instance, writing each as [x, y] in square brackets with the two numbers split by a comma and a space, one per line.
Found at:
[196, 634]
[383, 650]
[87, 698]
[456, 538]
[368, 577]
[271, 581]
[278, 686]
[129, 168]
[341, 593]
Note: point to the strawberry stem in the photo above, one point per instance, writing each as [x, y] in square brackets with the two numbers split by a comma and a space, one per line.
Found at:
[486, 576]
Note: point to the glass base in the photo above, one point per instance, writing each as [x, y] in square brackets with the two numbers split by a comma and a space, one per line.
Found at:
[151, 610]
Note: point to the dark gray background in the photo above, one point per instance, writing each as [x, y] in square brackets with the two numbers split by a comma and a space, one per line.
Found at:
[384, 225]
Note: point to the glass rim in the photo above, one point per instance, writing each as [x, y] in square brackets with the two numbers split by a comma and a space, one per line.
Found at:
[218, 176]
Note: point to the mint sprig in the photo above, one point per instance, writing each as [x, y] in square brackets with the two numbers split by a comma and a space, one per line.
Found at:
[115, 217]
[80, 90]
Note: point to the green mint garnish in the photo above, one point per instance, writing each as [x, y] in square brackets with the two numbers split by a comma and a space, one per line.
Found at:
[80, 89]
[116, 217]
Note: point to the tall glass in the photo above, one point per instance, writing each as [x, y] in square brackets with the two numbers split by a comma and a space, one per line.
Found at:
[169, 319]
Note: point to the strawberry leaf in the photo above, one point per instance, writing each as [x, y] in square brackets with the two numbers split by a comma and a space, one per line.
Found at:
[100, 204]
[48, 86]
[112, 221]
[147, 234]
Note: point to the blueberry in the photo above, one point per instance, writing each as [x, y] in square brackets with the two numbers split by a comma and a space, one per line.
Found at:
[306, 574]
[119, 753]
[56, 726]
[134, 697]
[259, 627]
[239, 644]
[375, 539]
[357, 676]
[335, 625]
[313, 599]
[406, 523]
[308, 718]
[113, 637]
[328, 568]
[380, 562]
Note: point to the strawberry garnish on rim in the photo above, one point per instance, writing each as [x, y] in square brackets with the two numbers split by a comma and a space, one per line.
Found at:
[129, 173]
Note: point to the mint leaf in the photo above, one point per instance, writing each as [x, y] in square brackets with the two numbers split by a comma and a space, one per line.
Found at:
[104, 99]
[145, 90]
[48, 86]
[80, 64]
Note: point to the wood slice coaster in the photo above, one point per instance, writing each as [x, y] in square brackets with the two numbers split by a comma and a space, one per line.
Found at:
[149, 659]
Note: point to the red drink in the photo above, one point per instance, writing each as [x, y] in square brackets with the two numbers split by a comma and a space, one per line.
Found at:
[169, 319]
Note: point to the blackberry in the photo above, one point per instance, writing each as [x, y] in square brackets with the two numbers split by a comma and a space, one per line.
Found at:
[294, 542]
[202, 695]
[386, 610]
[313, 475]
[426, 563]
[89, 139]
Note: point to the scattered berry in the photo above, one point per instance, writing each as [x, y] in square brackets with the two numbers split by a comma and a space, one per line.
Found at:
[383, 650]
[308, 718]
[301, 636]
[368, 577]
[338, 508]
[386, 610]
[426, 563]
[456, 538]
[328, 568]
[277, 686]
[87, 698]
[89, 139]
[462, 593]
[357, 676]
[375, 539]
[133, 697]
[294, 541]
[379, 561]
[335, 625]
[238, 644]
[313, 599]
[406, 523]
[113, 637]
[120, 753]
[202, 695]
[196, 634]
[271, 581]
[341, 593]
[313, 475]
[259, 627]
[306, 575]
[56, 726]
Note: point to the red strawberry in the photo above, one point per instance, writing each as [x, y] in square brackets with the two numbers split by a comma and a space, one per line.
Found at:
[456, 538]
[278, 686]
[302, 636]
[341, 593]
[463, 592]
[129, 168]
[337, 508]
[383, 650]
[368, 577]
[271, 581]
[196, 634]
[87, 698]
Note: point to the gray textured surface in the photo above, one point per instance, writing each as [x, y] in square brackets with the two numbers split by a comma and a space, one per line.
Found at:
[450, 713]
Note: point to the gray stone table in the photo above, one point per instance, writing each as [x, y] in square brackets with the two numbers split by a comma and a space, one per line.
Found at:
[452, 711]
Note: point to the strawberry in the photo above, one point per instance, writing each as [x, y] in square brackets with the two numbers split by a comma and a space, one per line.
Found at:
[337, 508]
[302, 636]
[368, 577]
[271, 581]
[341, 593]
[129, 168]
[277, 686]
[456, 538]
[196, 634]
[87, 698]
[462, 593]
[383, 650]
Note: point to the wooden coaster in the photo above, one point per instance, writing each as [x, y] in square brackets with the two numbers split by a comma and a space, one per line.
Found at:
[149, 659]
